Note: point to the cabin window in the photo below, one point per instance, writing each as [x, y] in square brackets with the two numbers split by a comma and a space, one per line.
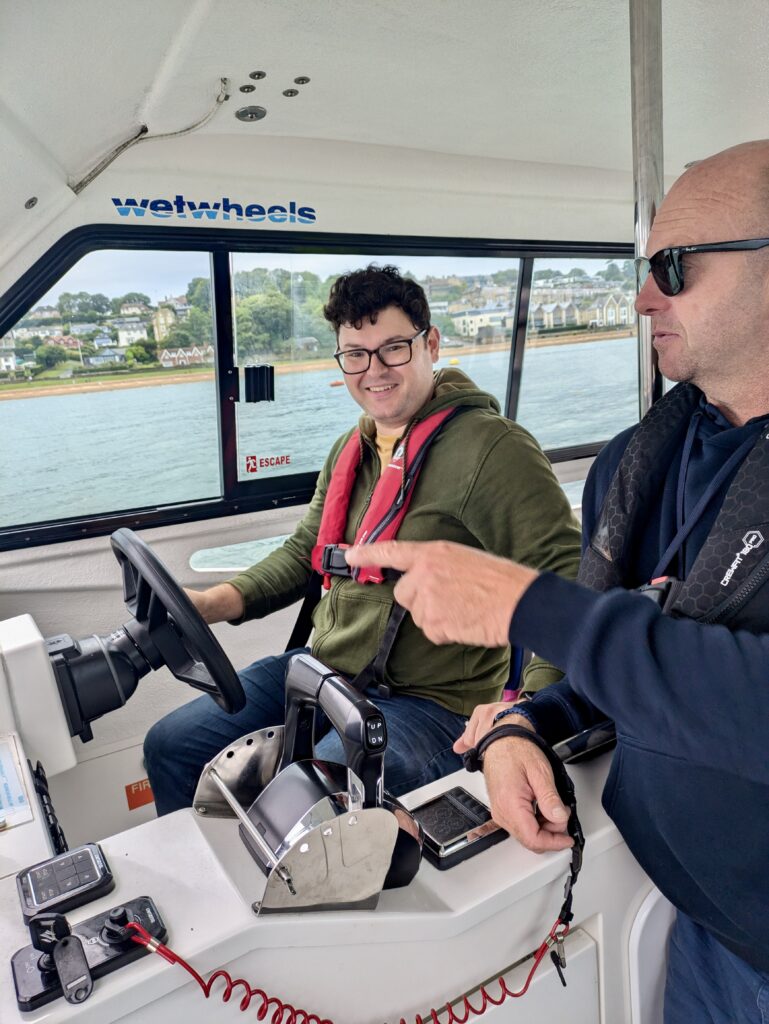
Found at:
[109, 389]
[123, 356]
[278, 319]
[579, 381]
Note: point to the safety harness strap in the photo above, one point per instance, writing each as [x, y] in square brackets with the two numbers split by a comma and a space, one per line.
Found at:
[389, 501]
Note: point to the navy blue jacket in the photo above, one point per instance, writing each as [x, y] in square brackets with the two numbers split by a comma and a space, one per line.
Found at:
[689, 782]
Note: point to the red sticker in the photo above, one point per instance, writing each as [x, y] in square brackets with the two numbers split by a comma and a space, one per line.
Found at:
[256, 462]
[138, 794]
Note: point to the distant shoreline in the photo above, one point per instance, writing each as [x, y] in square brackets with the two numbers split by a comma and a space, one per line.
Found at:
[163, 377]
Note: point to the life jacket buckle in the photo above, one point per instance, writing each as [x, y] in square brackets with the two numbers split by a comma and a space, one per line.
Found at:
[333, 562]
[658, 590]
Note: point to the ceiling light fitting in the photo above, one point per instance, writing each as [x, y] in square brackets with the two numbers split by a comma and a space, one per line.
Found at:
[250, 114]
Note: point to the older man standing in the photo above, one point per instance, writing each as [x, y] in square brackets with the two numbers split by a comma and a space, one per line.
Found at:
[682, 500]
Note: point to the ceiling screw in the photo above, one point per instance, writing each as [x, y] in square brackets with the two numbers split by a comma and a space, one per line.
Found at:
[290, 92]
[32, 201]
[258, 75]
[247, 88]
[301, 80]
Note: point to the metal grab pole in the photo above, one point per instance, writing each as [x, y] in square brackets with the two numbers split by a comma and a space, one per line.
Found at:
[646, 102]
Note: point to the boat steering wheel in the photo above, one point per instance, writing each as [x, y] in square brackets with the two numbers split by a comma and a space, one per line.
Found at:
[168, 629]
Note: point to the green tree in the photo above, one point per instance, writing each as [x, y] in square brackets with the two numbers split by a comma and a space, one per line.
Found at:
[264, 324]
[83, 305]
[66, 304]
[309, 322]
[195, 329]
[51, 355]
[100, 303]
[140, 354]
[445, 325]
[509, 276]
[199, 293]
[612, 273]
[129, 297]
[26, 347]
[577, 272]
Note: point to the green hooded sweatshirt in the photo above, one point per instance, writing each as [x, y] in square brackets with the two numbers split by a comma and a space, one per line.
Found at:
[485, 483]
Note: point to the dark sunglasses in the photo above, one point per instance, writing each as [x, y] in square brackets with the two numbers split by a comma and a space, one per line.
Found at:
[667, 265]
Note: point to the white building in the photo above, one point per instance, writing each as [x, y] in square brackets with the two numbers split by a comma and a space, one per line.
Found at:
[469, 323]
[129, 331]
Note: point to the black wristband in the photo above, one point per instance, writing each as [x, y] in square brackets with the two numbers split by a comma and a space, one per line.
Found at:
[473, 762]
[473, 758]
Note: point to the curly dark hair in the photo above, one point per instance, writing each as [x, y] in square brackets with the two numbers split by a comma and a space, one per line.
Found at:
[365, 293]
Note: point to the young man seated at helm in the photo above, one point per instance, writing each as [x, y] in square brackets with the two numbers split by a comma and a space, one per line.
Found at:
[431, 443]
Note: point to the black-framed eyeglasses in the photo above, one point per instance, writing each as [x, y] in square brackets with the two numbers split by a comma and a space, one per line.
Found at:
[392, 353]
[667, 266]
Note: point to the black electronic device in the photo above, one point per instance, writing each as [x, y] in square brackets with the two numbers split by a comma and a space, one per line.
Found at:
[64, 882]
[63, 962]
[456, 826]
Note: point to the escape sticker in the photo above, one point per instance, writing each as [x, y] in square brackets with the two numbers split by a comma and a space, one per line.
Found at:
[256, 462]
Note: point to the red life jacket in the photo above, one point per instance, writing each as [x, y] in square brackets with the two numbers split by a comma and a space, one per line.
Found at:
[389, 502]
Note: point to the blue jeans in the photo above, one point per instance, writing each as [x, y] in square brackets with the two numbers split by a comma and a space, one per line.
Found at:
[420, 734]
[706, 984]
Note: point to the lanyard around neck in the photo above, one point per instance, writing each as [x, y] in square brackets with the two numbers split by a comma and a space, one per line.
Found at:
[687, 524]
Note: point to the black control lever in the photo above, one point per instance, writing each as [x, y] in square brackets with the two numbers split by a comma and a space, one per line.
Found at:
[63, 955]
[311, 685]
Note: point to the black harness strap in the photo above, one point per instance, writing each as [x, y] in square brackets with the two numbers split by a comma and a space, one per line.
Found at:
[373, 674]
[300, 634]
[473, 761]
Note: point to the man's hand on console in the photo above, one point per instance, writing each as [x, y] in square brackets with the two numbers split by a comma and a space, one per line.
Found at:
[455, 594]
[517, 775]
[481, 721]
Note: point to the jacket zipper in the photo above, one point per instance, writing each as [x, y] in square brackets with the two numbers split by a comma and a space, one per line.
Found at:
[416, 465]
[741, 595]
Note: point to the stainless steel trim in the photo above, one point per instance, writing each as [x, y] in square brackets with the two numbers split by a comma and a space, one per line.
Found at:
[244, 819]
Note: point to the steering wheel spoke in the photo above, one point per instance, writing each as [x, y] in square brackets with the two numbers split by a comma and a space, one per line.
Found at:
[167, 627]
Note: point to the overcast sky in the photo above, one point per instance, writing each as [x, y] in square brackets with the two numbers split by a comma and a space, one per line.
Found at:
[162, 274]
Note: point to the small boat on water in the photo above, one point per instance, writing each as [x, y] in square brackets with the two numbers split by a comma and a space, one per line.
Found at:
[335, 383]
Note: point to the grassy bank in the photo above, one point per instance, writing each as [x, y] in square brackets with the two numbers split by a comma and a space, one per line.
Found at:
[49, 383]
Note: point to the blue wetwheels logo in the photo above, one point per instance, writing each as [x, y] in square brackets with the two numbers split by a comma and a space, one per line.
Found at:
[223, 209]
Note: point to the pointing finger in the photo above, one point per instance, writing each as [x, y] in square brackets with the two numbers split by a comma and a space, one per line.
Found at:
[390, 554]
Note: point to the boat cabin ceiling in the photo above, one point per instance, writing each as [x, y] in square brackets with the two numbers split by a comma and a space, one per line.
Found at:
[512, 119]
